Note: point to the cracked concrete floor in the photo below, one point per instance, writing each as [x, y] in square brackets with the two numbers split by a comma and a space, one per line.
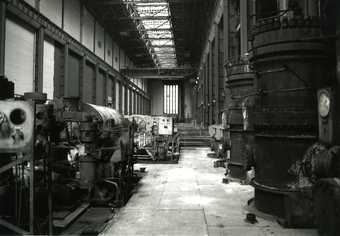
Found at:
[190, 199]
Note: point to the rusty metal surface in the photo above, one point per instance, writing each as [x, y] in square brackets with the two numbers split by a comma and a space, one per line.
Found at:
[240, 82]
[292, 61]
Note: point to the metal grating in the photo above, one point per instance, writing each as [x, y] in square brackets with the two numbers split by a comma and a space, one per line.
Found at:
[156, 15]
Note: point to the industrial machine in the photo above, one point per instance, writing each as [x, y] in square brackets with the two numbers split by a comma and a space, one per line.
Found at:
[155, 139]
[293, 58]
[58, 158]
[240, 82]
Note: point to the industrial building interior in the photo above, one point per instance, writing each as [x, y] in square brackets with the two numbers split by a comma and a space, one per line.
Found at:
[170, 117]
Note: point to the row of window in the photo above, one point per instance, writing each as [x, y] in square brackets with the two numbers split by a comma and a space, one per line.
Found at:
[73, 17]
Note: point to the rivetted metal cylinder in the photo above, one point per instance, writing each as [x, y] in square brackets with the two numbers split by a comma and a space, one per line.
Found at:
[240, 81]
[292, 61]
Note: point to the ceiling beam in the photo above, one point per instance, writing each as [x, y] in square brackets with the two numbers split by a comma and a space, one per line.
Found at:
[120, 2]
[144, 18]
[159, 73]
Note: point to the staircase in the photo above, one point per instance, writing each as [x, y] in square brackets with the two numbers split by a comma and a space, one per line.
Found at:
[191, 136]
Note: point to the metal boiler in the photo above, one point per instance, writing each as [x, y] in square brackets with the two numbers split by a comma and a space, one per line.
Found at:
[292, 59]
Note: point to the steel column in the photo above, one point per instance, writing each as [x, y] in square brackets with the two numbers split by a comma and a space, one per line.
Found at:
[114, 95]
[82, 77]
[211, 84]
[66, 58]
[226, 30]
[216, 97]
[130, 101]
[120, 105]
[2, 36]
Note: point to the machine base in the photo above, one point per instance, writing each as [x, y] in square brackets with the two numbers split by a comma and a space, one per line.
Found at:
[292, 208]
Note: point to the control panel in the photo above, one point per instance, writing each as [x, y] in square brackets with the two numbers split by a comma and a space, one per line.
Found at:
[165, 125]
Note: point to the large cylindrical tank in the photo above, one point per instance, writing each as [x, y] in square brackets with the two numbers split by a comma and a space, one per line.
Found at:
[240, 81]
[292, 61]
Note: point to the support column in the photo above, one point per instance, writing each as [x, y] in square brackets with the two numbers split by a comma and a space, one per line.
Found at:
[227, 95]
[82, 78]
[2, 36]
[39, 63]
[130, 101]
[105, 88]
[211, 83]
[114, 95]
[207, 84]
[126, 105]
[66, 58]
[120, 104]
[226, 30]
[216, 101]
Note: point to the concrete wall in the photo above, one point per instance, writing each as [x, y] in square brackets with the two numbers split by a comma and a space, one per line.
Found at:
[157, 99]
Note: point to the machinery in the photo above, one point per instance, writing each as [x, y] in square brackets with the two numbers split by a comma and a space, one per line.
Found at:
[155, 139]
[294, 150]
[57, 159]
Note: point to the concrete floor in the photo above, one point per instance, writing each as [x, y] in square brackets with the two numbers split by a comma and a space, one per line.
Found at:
[190, 199]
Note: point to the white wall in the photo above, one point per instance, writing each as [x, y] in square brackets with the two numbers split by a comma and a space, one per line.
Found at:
[48, 70]
[72, 18]
[88, 30]
[19, 57]
[108, 49]
[52, 9]
[100, 41]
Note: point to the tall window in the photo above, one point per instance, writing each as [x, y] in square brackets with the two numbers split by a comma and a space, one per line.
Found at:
[171, 99]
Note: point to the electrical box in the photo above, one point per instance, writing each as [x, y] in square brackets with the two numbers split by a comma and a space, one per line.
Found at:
[16, 126]
[165, 125]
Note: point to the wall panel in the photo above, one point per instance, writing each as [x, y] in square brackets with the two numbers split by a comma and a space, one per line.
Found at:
[89, 84]
[72, 18]
[48, 70]
[117, 96]
[115, 56]
[100, 94]
[122, 59]
[53, 10]
[19, 57]
[109, 91]
[100, 41]
[88, 30]
[73, 75]
[108, 49]
[157, 97]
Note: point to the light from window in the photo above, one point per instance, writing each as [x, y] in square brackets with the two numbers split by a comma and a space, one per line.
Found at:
[171, 99]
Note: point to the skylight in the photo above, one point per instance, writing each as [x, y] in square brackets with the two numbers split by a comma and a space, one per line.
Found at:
[153, 20]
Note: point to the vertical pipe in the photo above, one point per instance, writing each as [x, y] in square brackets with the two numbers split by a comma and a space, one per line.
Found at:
[244, 27]
[2, 36]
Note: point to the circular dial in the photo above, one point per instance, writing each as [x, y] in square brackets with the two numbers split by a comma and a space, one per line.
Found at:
[324, 104]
